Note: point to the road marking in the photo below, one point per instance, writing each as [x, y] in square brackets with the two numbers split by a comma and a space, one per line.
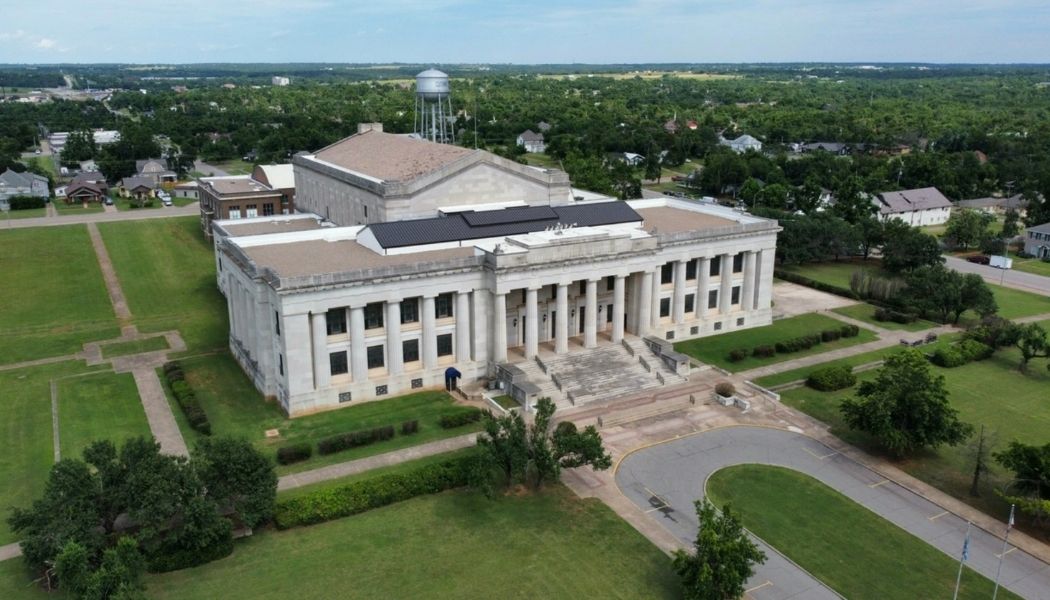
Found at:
[937, 516]
[758, 587]
[1005, 553]
[875, 485]
[817, 456]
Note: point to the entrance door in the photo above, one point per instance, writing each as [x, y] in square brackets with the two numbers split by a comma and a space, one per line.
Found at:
[554, 324]
[583, 315]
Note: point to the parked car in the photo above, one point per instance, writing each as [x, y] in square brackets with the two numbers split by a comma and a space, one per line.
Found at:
[979, 259]
[165, 200]
[677, 177]
[109, 201]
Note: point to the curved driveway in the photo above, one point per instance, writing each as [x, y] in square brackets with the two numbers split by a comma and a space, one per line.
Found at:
[665, 479]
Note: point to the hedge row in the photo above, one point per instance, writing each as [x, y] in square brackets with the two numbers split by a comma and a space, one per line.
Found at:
[186, 398]
[294, 453]
[804, 342]
[459, 419]
[833, 378]
[959, 354]
[26, 202]
[887, 314]
[360, 496]
[812, 283]
[301, 451]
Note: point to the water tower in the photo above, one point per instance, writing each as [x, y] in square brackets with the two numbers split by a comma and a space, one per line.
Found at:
[434, 107]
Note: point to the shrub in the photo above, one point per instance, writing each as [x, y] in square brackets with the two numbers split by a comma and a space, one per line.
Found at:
[886, 314]
[459, 419]
[833, 378]
[798, 344]
[360, 496]
[737, 355]
[949, 357]
[26, 202]
[830, 335]
[849, 330]
[175, 375]
[294, 453]
[188, 402]
[409, 427]
[183, 558]
[725, 389]
[171, 366]
[354, 439]
[763, 351]
[974, 350]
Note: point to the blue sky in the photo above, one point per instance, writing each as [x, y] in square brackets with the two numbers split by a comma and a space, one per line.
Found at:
[541, 31]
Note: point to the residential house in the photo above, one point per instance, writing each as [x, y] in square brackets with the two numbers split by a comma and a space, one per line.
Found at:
[139, 188]
[1037, 241]
[13, 183]
[1016, 203]
[186, 189]
[532, 141]
[269, 190]
[543, 126]
[631, 158]
[156, 170]
[279, 81]
[742, 144]
[919, 207]
[85, 192]
[837, 148]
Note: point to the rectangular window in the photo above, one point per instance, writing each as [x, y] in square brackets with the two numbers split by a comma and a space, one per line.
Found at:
[280, 364]
[251, 211]
[665, 307]
[410, 350]
[337, 363]
[268, 209]
[375, 356]
[410, 310]
[443, 306]
[690, 270]
[336, 319]
[738, 262]
[366, 211]
[610, 283]
[716, 266]
[690, 304]
[735, 298]
[374, 315]
[235, 212]
[277, 323]
[712, 299]
[444, 343]
[608, 313]
[667, 273]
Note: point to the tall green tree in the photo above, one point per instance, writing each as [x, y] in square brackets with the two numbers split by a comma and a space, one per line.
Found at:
[237, 475]
[1011, 224]
[905, 248]
[1032, 341]
[723, 556]
[852, 203]
[1030, 465]
[906, 407]
[937, 290]
[80, 145]
[118, 576]
[967, 228]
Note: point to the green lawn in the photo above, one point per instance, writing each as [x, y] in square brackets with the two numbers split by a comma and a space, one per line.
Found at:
[167, 272]
[836, 273]
[1032, 265]
[27, 213]
[851, 549]
[1011, 406]
[715, 349]
[236, 408]
[866, 312]
[102, 406]
[126, 204]
[507, 402]
[76, 209]
[1014, 304]
[134, 347]
[451, 545]
[15, 583]
[540, 160]
[53, 298]
[234, 167]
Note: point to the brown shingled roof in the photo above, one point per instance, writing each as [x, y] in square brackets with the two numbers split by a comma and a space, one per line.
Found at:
[390, 157]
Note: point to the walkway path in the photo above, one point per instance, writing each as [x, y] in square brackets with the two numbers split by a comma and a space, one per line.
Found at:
[1020, 280]
[10, 551]
[353, 467]
[107, 217]
[674, 474]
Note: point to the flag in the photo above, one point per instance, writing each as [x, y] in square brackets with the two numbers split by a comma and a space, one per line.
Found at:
[966, 546]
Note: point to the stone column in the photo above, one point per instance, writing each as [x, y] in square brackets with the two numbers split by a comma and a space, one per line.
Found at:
[747, 295]
[499, 327]
[249, 323]
[590, 323]
[726, 291]
[678, 301]
[703, 281]
[358, 352]
[617, 316]
[479, 325]
[561, 320]
[233, 307]
[430, 351]
[319, 340]
[532, 328]
[645, 303]
[654, 311]
[395, 359]
[757, 290]
[463, 327]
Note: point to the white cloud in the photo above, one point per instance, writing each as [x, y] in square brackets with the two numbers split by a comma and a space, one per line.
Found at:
[46, 43]
[12, 35]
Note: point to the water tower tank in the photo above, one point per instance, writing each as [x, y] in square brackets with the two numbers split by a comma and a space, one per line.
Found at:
[432, 85]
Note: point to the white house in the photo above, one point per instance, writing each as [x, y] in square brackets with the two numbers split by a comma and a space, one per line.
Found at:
[532, 142]
[742, 144]
[919, 207]
[1037, 241]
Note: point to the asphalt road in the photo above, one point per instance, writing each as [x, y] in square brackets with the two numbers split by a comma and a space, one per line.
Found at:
[1008, 277]
[102, 217]
[665, 480]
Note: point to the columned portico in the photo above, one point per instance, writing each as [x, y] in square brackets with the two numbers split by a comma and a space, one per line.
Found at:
[358, 356]
[561, 319]
[703, 279]
[499, 316]
[531, 325]
[747, 295]
[725, 293]
[618, 309]
[430, 355]
[590, 324]
[319, 338]
[654, 304]
[645, 303]
[394, 357]
[463, 326]
[679, 292]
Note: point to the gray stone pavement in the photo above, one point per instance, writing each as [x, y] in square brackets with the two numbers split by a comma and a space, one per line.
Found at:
[109, 274]
[386, 459]
[792, 299]
[665, 479]
[209, 170]
[1028, 282]
[10, 551]
[106, 217]
[158, 412]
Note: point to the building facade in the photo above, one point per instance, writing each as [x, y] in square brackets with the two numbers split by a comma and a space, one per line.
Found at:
[246, 196]
[920, 207]
[1037, 241]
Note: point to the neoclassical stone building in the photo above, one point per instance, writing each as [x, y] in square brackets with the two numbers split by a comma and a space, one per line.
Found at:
[418, 257]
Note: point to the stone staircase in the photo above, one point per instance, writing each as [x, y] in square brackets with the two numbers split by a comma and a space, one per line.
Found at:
[536, 375]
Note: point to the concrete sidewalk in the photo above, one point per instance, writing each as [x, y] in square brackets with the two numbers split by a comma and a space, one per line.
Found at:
[106, 217]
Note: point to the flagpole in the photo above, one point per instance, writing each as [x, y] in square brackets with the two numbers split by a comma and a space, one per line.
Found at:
[962, 559]
[1009, 526]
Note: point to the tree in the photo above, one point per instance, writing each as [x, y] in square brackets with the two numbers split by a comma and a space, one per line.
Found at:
[1030, 465]
[80, 145]
[851, 202]
[905, 248]
[749, 191]
[947, 293]
[118, 576]
[653, 168]
[625, 183]
[723, 558]
[979, 451]
[906, 407]
[1032, 342]
[1011, 224]
[871, 233]
[589, 173]
[234, 473]
[967, 228]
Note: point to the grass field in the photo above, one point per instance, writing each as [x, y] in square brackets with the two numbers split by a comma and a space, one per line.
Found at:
[15, 583]
[125, 204]
[451, 545]
[53, 298]
[866, 312]
[102, 406]
[167, 272]
[64, 209]
[715, 349]
[871, 558]
[836, 273]
[235, 408]
[1011, 406]
[1014, 304]
[1032, 265]
[234, 167]
[26, 213]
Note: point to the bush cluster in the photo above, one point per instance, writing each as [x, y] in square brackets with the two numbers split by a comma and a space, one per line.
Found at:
[186, 398]
[804, 342]
[354, 439]
[763, 351]
[817, 285]
[798, 344]
[887, 314]
[833, 378]
[959, 354]
[725, 389]
[184, 558]
[410, 427]
[459, 419]
[294, 453]
[360, 496]
[26, 202]
[738, 355]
